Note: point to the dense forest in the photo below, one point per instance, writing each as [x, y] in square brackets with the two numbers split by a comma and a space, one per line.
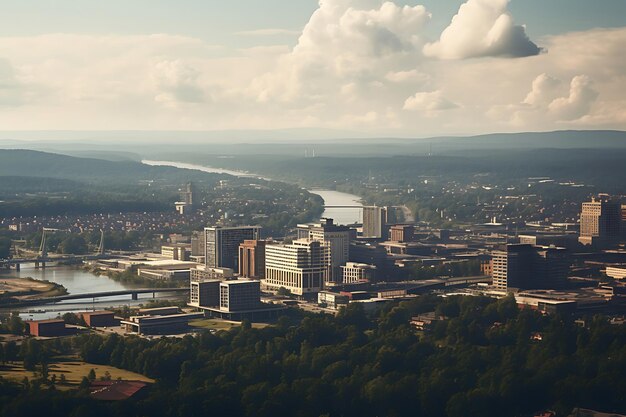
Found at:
[484, 358]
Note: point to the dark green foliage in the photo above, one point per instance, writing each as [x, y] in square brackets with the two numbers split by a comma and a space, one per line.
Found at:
[479, 361]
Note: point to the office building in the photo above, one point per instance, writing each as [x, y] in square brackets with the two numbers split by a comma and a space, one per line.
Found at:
[252, 259]
[523, 267]
[186, 194]
[240, 295]
[300, 267]
[227, 296]
[600, 222]
[375, 222]
[355, 272]
[222, 244]
[337, 239]
[204, 293]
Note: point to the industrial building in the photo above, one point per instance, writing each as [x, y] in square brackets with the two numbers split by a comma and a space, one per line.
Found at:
[48, 328]
[99, 318]
[160, 325]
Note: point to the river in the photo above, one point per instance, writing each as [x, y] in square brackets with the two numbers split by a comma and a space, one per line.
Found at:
[331, 197]
[76, 281]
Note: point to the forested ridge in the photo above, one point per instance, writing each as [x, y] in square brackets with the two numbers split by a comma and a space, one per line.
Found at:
[485, 359]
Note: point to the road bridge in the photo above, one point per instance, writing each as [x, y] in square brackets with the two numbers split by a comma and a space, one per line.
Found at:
[134, 293]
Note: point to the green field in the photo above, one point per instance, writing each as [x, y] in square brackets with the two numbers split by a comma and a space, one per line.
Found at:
[73, 369]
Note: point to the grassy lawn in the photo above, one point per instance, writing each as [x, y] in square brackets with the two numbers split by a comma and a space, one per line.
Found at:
[73, 369]
[216, 324]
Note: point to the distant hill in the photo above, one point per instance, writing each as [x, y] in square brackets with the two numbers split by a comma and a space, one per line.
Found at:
[28, 163]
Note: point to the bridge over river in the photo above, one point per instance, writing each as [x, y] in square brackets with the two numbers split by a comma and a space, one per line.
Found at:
[102, 294]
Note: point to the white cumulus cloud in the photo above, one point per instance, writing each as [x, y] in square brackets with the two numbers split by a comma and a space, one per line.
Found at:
[544, 90]
[578, 103]
[432, 101]
[482, 28]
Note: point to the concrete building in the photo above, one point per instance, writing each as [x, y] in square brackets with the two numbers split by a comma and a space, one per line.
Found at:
[182, 208]
[240, 295]
[99, 318]
[332, 299]
[177, 252]
[375, 222]
[568, 241]
[300, 267]
[401, 233]
[355, 272]
[233, 300]
[227, 296]
[600, 222]
[222, 244]
[529, 267]
[160, 325]
[47, 328]
[337, 239]
[197, 244]
[202, 273]
[252, 259]
[204, 293]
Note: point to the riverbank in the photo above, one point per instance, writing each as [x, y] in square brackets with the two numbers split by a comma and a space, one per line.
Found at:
[331, 198]
[130, 278]
[24, 289]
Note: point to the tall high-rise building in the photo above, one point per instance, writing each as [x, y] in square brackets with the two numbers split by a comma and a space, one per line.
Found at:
[337, 239]
[301, 267]
[221, 249]
[526, 267]
[186, 195]
[600, 222]
[375, 222]
[252, 258]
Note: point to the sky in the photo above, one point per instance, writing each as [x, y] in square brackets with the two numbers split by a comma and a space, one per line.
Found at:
[403, 68]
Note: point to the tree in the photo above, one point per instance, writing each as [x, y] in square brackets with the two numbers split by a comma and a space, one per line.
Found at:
[15, 324]
[5, 247]
[73, 244]
[283, 292]
[91, 376]
[84, 383]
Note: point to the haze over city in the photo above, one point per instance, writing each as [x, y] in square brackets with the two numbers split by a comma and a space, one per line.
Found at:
[313, 208]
